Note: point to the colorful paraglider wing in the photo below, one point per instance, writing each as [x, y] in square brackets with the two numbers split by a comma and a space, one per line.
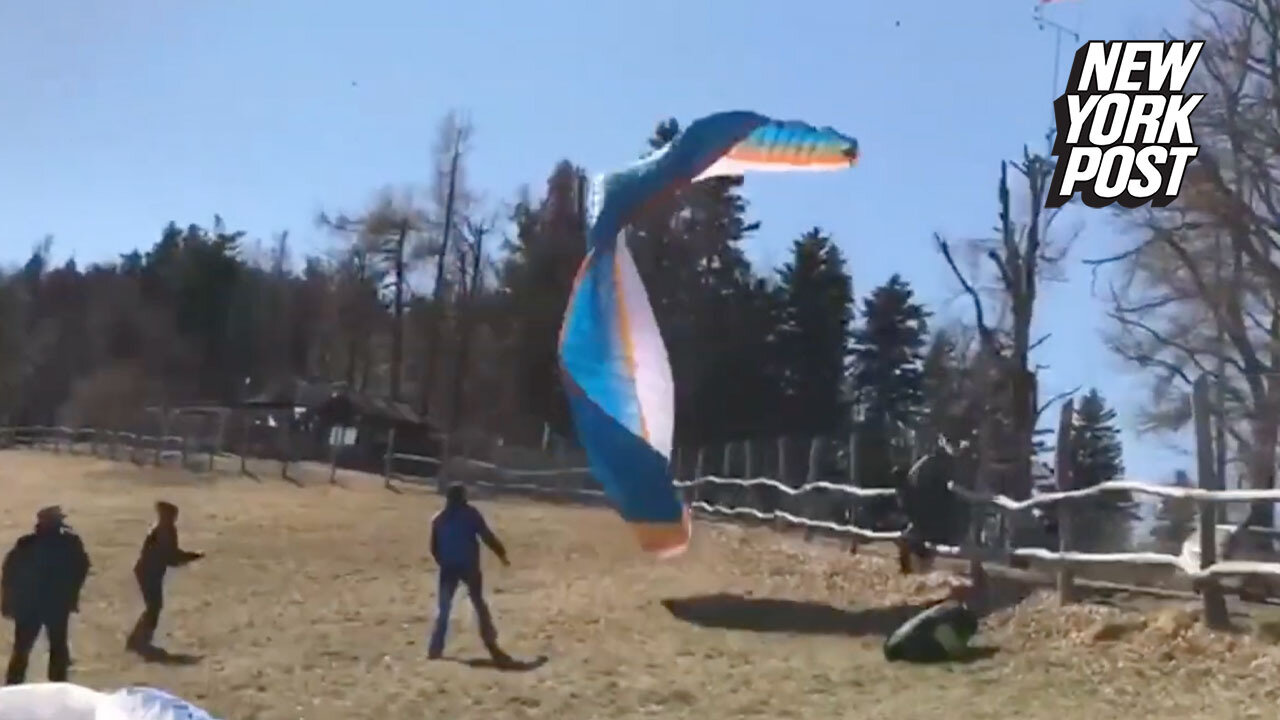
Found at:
[784, 146]
[620, 392]
[722, 144]
[612, 356]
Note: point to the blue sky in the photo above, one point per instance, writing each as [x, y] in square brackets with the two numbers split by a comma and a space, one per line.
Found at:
[117, 116]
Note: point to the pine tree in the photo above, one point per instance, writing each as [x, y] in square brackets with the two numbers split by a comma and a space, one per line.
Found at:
[714, 312]
[888, 376]
[1103, 524]
[1097, 455]
[1175, 517]
[814, 338]
[536, 279]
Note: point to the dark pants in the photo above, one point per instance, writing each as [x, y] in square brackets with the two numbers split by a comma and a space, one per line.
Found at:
[26, 629]
[144, 631]
[449, 580]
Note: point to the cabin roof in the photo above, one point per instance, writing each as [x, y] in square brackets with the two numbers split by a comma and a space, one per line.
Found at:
[335, 398]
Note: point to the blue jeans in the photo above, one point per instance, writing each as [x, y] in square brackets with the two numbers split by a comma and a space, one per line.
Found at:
[448, 587]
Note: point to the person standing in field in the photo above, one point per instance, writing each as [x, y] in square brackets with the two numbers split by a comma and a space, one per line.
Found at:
[39, 589]
[456, 534]
[160, 551]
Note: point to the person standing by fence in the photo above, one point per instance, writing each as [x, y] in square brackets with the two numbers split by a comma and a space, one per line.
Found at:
[160, 551]
[456, 533]
[39, 589]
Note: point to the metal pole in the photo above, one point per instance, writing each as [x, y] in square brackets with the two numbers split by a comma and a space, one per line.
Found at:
[1220, 399]
[1058, 31]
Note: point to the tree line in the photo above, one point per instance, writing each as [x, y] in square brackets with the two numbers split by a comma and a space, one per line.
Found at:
[454, 309]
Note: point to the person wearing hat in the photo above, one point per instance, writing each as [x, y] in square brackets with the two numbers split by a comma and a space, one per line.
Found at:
[39, 589]
[160, 551]
[456, 534]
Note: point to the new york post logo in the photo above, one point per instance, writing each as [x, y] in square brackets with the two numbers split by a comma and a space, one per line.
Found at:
[1124, 124]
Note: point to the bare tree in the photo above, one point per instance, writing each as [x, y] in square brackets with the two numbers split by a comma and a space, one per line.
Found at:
[1020, 257]
[1200, 291]
[383, 234]
[471, 285]
[452, 199]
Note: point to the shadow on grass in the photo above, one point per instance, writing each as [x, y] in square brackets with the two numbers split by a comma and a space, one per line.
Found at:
[735, 612]
[160, 656]
[512, 665]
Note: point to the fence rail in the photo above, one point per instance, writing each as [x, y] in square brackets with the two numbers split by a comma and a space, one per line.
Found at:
[61, 438]
[1203, 567]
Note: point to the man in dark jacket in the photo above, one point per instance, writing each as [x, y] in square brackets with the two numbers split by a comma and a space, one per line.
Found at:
[937, 634]
[160, 551]
[41, 582]
[931, 508]
[456, 534]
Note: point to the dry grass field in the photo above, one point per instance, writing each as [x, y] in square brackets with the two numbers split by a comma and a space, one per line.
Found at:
[314, 602]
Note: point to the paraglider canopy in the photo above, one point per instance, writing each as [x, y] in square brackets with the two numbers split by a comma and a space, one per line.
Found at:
[68, 701]
[612, 357]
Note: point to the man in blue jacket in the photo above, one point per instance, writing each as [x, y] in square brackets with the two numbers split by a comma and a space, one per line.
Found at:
[456, 534]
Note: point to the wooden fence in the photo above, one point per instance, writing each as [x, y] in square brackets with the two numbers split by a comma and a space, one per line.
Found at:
[1201, 564]
[138, 448]
[1203, 567]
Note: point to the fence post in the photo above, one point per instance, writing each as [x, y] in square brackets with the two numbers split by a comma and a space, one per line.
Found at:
[164, 434]
[782, 459]
[780, 496]
[446, 453]
[815, 460]
[853, 501]
[386, 461]
[1215, 605]
[811, 476]
[333, 455]
[699, 460]
[1063, 472]
[748, 460]
[244, 442]
[216, 446]
[726, 460]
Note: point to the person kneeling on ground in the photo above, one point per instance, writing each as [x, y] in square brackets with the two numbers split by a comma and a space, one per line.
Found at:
[160, 551]
[456, 533]
[40, 588]
[937, 634]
